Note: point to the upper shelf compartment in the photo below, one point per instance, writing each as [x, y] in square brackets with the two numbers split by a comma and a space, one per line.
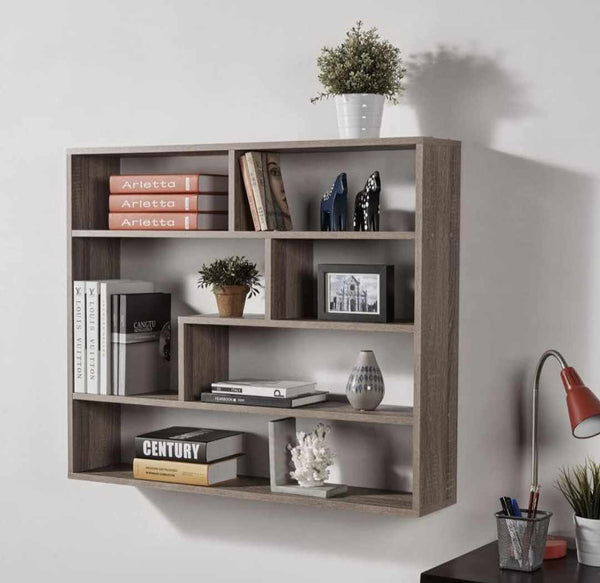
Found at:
[308, 168]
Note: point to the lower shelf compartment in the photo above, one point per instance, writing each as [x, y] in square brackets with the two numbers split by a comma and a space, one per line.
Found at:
[248, 488]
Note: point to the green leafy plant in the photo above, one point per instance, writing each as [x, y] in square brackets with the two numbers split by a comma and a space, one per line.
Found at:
[363, 63]
[581, 487]
[233, 270]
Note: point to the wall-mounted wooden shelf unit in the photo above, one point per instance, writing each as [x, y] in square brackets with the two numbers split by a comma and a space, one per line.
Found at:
[94, 252]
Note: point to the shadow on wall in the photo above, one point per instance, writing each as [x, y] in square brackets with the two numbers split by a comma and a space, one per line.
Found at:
[517, 298]
[462, 96]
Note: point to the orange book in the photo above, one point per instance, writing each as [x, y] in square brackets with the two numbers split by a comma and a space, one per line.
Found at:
[168, 183]
[168, 203]
[167, 221]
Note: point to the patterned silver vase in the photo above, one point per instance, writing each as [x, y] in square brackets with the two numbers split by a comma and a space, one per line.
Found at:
[365, 388]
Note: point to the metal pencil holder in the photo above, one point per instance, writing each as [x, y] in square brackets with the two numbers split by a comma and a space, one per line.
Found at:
[521, 541]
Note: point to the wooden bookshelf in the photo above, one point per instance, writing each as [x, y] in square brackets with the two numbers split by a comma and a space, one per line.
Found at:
[94, 252]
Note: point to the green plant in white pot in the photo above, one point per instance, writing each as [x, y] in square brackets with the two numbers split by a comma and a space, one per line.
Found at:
[581, 487]
[361, 73]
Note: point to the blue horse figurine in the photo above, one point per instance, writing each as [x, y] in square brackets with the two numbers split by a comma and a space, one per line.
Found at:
[366, 205]
[334, 205]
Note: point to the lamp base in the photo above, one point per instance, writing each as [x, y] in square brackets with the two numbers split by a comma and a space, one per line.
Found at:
[556, 548]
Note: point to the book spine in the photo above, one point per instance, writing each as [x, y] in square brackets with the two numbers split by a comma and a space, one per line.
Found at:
[103, 367]
[170, 450]
[122, 346]
[168, 183]
[115, 345]
[167, 221]
[167, 203]
[173, 472]
[249, 193]
[258, 198]
[79, 349]
[266, 189]
[278, 191]
[92, 335]
[246, 400]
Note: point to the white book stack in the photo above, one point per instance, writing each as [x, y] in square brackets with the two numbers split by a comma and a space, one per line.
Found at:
[264, 393]
[92, 332]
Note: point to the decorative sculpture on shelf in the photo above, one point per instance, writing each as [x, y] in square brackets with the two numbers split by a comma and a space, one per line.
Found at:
[311, 457]
[366, 205]
[334, 205]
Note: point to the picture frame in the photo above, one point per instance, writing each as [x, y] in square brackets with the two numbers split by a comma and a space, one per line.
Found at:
[355, 293]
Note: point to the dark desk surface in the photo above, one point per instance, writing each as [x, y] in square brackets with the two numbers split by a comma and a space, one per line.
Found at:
[481, 566]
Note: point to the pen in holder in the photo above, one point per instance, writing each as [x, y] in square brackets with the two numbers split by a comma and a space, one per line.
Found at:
[521, 541]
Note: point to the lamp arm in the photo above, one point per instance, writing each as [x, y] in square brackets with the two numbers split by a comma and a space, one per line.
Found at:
[534, 423]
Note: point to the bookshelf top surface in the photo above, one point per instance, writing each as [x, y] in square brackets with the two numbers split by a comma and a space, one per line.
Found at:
[409, 143]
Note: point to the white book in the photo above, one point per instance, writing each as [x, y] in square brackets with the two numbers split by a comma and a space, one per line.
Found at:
[257, 179]
[263, 388]
[92, 336]
[107, 289]
[79, 349]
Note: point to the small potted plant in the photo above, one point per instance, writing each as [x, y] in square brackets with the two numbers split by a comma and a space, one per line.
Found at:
[361, 73]
[232, 280]
[581, 487]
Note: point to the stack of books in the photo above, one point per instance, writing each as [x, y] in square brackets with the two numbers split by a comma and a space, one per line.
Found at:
[264, 188]
[263, 393]
[121, 337]
[169, 202]
[188, 455]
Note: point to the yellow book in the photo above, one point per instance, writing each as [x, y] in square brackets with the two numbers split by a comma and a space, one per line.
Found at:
[184, 473]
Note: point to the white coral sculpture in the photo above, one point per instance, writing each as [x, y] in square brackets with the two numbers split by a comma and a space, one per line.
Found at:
[311, 457]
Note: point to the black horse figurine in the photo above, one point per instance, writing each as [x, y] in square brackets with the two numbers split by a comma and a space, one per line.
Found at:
[334, 205]
[366, 205]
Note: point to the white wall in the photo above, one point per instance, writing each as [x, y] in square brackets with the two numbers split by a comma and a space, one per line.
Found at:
[516, 81]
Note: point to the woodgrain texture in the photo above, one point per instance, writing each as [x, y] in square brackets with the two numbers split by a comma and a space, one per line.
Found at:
[306, 324]
[315, 235]
[96, 435]
[89, 190]
[203, 358]
[436, 325]
[95, 259]
[336, 145]
[293, 285]
[93, 253]
[258, 489]
[337, 408]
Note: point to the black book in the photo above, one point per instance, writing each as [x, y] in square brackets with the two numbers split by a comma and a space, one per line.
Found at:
[280, 402]
[143, 337]
[189, 444]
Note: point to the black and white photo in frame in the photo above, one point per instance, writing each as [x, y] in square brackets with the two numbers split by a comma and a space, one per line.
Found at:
[356, 293]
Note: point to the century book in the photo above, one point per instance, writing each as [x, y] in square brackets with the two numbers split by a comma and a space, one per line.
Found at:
[183, 473]
[216, 221]
[189, 444]
[168, 183]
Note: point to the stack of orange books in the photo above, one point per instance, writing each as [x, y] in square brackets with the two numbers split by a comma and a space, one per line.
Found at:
[171, 202]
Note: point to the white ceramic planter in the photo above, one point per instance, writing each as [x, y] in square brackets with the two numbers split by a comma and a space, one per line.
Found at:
[587, 535]
[359, 114]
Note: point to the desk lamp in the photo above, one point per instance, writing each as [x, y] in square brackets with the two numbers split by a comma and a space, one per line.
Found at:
[583, 407]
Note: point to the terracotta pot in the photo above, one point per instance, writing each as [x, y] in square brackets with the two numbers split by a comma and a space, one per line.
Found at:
[231, 300]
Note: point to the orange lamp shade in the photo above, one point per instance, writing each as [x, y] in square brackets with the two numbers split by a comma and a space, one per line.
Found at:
[583, 405]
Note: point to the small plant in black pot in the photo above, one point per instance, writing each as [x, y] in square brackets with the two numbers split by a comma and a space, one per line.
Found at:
[232, 280]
